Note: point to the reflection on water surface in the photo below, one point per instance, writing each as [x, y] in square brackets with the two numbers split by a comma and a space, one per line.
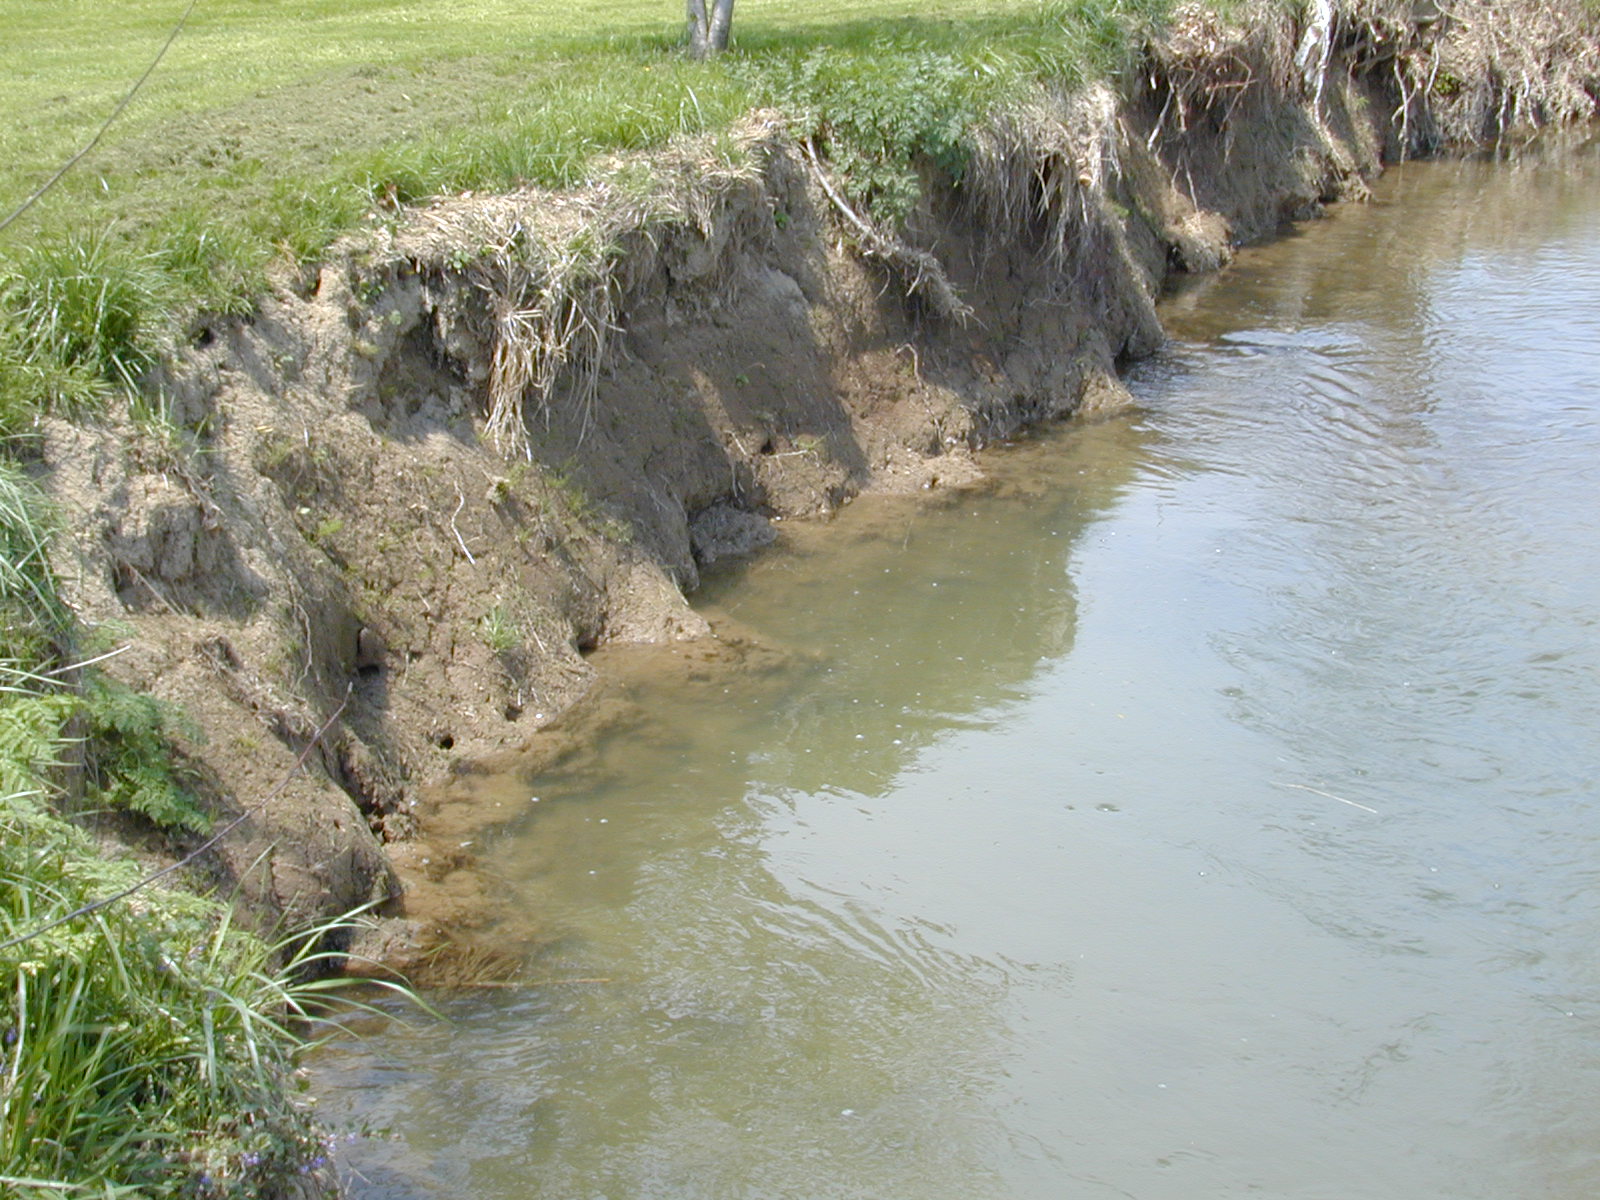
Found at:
[1205, 808]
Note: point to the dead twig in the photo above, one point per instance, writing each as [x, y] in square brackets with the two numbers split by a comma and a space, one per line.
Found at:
[923, 274]
[1303, 788]
[461, 502]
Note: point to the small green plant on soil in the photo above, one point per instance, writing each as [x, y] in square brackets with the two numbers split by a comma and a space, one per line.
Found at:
[164, 443]
[573, 497]
[273, 452]
[616, 530]
[504, 488]
[323, 532]
[500, 630]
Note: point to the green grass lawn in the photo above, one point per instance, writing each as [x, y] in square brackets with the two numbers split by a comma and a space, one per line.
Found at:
[292, 88]
[270, 128]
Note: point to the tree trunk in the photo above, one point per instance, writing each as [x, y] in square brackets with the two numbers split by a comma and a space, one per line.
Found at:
[708, 33]
[699, 30]
[721, 23]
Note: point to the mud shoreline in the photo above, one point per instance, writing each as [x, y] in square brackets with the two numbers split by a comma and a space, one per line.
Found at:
[472, 447]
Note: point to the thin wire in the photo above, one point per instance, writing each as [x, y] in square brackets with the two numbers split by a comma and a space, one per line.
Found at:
[115, 113]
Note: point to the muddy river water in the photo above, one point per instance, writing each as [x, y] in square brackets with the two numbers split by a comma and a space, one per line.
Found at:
[1209, 806]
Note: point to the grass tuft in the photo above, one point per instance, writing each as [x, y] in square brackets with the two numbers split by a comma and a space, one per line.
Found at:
[147, 1046]
[34, 619]
[84, 302]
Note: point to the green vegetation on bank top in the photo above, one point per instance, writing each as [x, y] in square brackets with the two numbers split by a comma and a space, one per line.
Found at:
[343, 75]
[252, 96]
[270, 129]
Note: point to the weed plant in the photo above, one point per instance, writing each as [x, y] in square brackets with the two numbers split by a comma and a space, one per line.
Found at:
[499, 629]
[147, 1046]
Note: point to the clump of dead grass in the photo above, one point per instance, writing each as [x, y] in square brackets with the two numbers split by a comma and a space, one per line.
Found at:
[1048, 163]
[553, 267]
[1467, 72]
[1459, 72]
[1207, 64]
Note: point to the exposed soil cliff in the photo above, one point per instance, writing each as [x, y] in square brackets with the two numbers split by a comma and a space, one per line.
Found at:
[492, 433]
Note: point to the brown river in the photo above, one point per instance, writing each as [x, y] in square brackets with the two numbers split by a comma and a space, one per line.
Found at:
[1206, 807]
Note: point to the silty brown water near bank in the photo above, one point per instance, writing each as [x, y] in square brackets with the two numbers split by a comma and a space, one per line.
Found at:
[1205, 807]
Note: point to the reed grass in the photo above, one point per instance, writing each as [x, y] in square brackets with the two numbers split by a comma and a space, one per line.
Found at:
[147, 1047]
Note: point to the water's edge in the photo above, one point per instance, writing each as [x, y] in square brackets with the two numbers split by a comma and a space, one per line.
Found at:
[1195, 808]
[361, 566]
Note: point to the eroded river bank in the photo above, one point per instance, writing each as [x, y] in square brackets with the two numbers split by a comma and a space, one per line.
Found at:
[1203, 806]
